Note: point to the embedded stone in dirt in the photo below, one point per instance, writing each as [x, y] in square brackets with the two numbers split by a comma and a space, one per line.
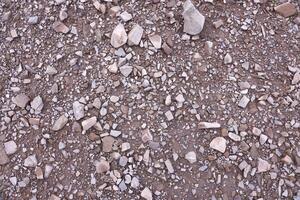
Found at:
[135, 35]
[193, 19]
[21, 100]
[118, 36]
[146, 194]
[102, 166]
[227, 59]
[219, 144]
[10, 147]
[37, 104]
[30, 161]
[107, 143]
[60, 123]
[156, 41]
[78, 110]
[286, 9]
[60, 27]
[3, 156]
[146, 135]
[263, 166]
[191, 157]
[126, 70]
[208, 125]
[88, 123]
[244, 102]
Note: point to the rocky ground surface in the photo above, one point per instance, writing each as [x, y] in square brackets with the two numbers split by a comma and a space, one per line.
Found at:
[149, 99]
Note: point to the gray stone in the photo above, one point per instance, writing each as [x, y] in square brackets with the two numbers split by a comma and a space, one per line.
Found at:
[89, 123]
[60, 123]
[78, 110]
[33, 20]
[37, 104]
[146, 194]
[126, 70]
[118, 36]
[30, 161]
[219, 144]
[102, 166]
[10, 147]
[21, 100]
[193, 19]
[191, 157]
[3, 156]
[156, 41]
[135, 35]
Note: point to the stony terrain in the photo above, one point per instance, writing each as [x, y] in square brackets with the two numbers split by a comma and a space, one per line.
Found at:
[149, 99]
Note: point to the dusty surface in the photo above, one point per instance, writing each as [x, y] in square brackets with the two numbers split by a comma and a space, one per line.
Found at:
[213, 115]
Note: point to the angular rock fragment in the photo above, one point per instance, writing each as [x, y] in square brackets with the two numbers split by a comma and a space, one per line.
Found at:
[296, 78]
[37, 104]
[169, 166]
[135, 35]
[146, 135]
[3, 156]
[227, 59]
[286, 9]
[21, 100]
[126, 70]
[156, 41]
[191, 157]
[208, 125]
[33, 20]
[263, 166]
[193, 19]
[60, 123]
[89, 123]
[146, 194]
[78, 110]
[107, 143]
[30, 161]
[118, 36]
[60, 27]
[10, 147]
[219, 144]
[244, 102]
[102, 166]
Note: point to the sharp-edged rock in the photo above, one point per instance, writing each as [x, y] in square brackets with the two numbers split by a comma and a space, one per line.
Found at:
[60, 123]
[21, 100]
[219, 144]
[193, 19]
[208, 125]
[89, 123]
[135, 35]
[78, 109]
[118, 36]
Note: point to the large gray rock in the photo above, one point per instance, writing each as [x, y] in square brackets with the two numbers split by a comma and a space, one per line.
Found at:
[135, 35]
[193, 19]
[118, 36]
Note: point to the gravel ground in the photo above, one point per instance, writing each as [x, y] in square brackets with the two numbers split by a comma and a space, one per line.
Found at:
[149, 99]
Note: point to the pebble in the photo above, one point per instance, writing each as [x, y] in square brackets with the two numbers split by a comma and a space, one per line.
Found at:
[115, 133]
[227, 59]
[33, 20]
[135, 35]
[169, 166]
[39, 173]
[78, 110]
[60, 27]
[126, 70]
[193, 19]
[113, 68]
[169, 115]
[123, 161]
[48, 170]
[30, 161]
[208, 125]
[244, 102]
[51, 70]
[107, 143]
[125, 146]
[234, 137]
[146, 135]
[146, 194]
[89, 123]
[37, 104]
[219, 144]
[263, 139]
[286, 9]
[296, 78]
[21, 100]
[10, 147]
[3, 156]
[118, 36]
[102, 166]
[191, 157]
[60, 123]
[125, 16]
[263, 166]
[168, 100]
[156, 41]
[135, 183]
[179, 98]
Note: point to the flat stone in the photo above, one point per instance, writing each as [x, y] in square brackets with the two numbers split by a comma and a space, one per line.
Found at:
[135, 35]
[33, 20]
[30, 161]
[78, 110]
[208, 125]
[113, 68]
[244, 102]
[126, 70]
[263, 166]
[125, 16]
[60, 27]
[115, 133]
[191, 157]
[39, 173]
[3, 156]
[286, 9]
[37, 104]
[102, 166]
[169, 166]
[146, 194]
[135, 183]
[89, 123]
[234, 137]
[169, 115]
[51, 70]
[168, 50]
[219, 144]
[60, 123]
[10, 147]
[21, 100]
[193, 19]
[296, 78]
[156, 41]
[118, 36]
[179, 98]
